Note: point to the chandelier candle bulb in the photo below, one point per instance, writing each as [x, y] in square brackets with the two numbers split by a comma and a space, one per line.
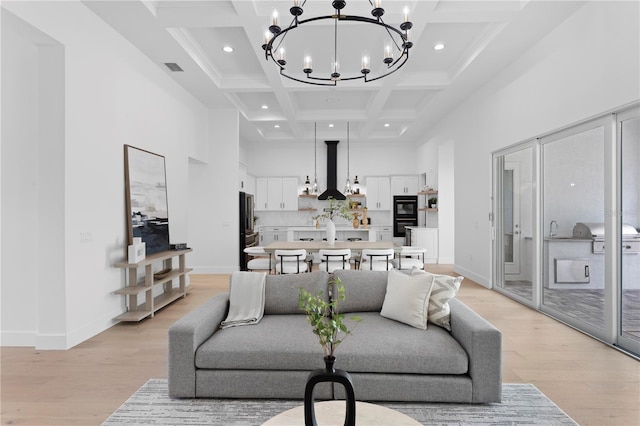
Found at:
[274, 28]
[388, 57]
[365, 65]
[281, 59]
[406, 13]
[296, 10]
[307, 65]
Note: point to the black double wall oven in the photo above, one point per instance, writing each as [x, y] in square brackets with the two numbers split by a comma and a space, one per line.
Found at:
[405, 213]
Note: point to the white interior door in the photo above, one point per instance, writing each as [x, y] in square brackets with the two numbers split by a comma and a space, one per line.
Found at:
[511, 216]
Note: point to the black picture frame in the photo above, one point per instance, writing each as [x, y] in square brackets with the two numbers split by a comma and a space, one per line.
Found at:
[146, 198]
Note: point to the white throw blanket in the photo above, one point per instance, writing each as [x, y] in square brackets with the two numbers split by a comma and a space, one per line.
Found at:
[246, 299]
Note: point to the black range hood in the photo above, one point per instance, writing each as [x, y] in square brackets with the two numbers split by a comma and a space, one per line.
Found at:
[332, 173]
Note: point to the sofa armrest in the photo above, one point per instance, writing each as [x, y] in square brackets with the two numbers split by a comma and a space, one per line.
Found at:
[185, 336]
[483, 343]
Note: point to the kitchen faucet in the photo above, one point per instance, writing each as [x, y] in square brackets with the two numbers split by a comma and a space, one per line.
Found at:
[551, 234]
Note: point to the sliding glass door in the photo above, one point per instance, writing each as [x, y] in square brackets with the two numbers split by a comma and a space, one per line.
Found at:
[573, 219]
[566, 226]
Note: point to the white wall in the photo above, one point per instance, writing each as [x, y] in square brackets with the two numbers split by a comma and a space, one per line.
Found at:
[19, 178]
[588, 65]
[213, 199]
[112, 95]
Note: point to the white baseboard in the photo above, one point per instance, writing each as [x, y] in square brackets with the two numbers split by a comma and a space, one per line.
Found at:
[51, 342]
[18, 339]
[483, 281]
[87, 331]
[58, 341]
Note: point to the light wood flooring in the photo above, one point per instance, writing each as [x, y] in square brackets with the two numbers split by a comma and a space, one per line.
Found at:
[593, 383]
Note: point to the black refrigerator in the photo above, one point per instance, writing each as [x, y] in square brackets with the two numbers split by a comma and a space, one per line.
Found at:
[248, 237]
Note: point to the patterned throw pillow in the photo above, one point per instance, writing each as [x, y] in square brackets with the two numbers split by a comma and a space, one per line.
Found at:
[444, 289]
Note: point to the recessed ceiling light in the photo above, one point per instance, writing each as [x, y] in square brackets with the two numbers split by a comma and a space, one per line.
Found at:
[228, 49]
[330, 125]
[265, 106]
[387, 124]
[277, 126]
[438, 46]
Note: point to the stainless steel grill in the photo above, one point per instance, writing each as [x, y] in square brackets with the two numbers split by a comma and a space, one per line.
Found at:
[594, 231]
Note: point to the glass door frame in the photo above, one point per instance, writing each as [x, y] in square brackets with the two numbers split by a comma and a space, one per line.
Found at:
[621, 341]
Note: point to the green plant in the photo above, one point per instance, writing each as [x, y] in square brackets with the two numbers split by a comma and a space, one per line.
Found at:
[337, 208]
[433, 200]
[326, 321]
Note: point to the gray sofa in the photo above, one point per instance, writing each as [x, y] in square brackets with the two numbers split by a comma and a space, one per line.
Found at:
[387, 360]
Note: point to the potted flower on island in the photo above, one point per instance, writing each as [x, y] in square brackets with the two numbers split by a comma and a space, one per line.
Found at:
[336, 208]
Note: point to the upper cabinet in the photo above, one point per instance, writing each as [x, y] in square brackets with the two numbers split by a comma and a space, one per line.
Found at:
[404, 185]
[276, 193]
[378, 193]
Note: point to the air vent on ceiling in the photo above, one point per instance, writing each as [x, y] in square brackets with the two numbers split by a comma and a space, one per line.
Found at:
[173, 66]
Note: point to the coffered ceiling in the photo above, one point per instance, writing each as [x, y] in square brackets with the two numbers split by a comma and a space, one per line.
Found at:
[480, 38]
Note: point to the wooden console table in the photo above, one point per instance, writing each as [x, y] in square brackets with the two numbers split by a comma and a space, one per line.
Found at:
[151, 304]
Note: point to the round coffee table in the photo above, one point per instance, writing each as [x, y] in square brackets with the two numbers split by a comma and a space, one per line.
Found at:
[333, 412]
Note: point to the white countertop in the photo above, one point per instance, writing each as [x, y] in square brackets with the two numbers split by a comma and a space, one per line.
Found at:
[322, 228]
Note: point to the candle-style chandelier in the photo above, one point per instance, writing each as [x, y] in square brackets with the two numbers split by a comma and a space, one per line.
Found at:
[396, 41]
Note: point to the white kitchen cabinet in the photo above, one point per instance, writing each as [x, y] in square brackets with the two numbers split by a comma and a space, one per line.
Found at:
[271, 234]
[404, 185]
[426, 238]
[385, 233]
[378, 193]
[261, 196]
[277, 193]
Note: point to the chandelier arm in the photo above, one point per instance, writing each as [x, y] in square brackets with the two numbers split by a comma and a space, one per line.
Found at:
[406, 57]
[357, 77]
[391, 35]
[335, 43]
[333, 82]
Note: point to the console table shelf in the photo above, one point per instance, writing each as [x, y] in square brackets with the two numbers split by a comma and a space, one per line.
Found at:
[136, 311]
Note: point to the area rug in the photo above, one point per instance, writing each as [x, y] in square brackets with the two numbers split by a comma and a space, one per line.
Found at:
[522, 404]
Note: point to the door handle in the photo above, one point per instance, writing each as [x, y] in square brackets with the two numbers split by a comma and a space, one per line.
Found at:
[586, 271]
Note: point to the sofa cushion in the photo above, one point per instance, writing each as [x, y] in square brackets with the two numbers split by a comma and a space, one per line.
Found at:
[407, 298]
[444, 289]
[364, 290]
[281, 291]
[277, 342]
[380, 345]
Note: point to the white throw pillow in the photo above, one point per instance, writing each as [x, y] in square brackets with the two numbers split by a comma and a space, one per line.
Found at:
[444, 288]
[407, 298]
